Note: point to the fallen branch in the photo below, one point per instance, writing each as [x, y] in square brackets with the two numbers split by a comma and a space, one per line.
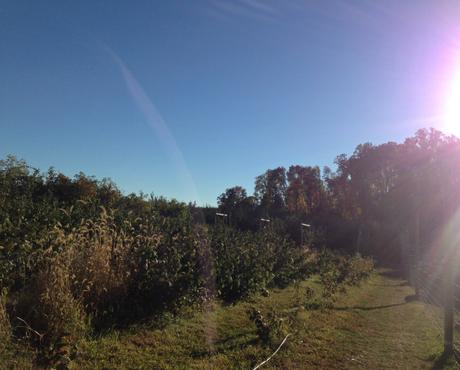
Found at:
[27, 326]
[273, 354]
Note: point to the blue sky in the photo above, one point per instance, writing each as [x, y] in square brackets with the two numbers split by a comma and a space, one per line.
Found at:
[187, 98]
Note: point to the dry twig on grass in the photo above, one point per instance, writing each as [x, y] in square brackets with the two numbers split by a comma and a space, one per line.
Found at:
[273, 354]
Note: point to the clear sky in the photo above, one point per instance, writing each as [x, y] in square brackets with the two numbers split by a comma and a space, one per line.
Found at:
[187, 98]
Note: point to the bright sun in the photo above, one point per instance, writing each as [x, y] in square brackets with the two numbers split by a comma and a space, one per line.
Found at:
[452, 113]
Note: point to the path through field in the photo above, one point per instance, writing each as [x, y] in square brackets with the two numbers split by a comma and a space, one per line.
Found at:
[381, 325]
[377, 325]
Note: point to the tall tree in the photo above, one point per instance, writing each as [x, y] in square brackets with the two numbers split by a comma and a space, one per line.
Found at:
[270, 191]
[240, 208]
[305, 189]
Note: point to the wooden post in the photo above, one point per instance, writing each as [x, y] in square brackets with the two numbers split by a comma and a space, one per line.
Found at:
[417, 264]
[449, 307]
[358, 240]
[302, 239]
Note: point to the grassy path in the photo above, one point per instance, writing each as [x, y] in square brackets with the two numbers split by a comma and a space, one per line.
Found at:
[380, 325]
[374, 326]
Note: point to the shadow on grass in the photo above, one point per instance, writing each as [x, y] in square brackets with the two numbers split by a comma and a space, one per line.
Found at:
[404, 283]
[391, 273]
[412, 298]
[365, 308]
[224, 346]
[237, 336]
[407, 299]
[443, 360]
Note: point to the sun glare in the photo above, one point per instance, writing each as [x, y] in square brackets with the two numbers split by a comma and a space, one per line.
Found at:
[452, 114]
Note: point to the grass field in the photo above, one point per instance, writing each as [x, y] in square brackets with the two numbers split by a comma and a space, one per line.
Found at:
[374, 326]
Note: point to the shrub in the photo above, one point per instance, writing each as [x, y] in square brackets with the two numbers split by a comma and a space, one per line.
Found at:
[246, 262]
[242, 265]
[167, 261]
[48, 305]
[99, 254]
[58, 312]
[336, 272]
[269, 327]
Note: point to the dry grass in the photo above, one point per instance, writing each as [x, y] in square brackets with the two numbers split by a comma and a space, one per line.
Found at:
[5, 326]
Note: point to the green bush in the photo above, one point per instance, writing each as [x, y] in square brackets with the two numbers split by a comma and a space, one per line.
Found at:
[246, 262]
[336, 272]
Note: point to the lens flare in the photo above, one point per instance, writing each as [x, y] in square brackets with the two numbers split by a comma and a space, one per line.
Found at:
[452, 115]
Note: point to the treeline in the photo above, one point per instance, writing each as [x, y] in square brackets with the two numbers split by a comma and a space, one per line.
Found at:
[381, 200]
[377, 201]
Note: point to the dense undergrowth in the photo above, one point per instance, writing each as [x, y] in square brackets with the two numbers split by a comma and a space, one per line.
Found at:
[99, 275]
[77, 258]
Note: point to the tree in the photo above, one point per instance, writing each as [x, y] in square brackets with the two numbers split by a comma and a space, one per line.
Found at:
[270, 191]
[305, 189]
[240, 208]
